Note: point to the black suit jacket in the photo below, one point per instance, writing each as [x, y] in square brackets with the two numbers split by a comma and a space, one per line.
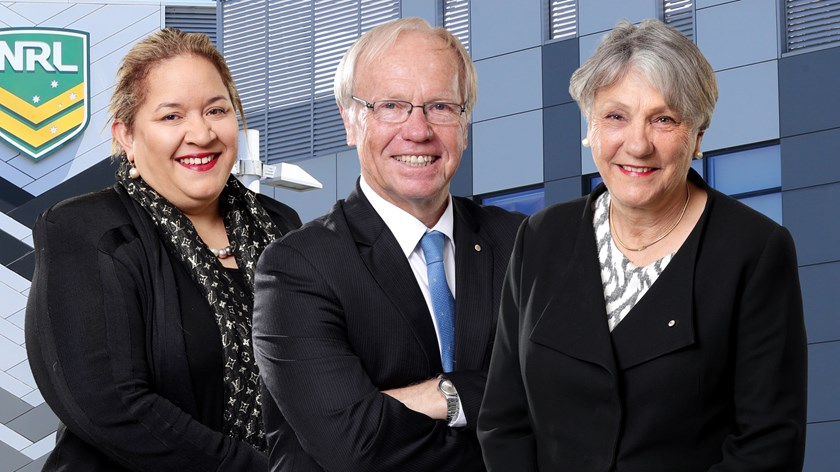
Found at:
[106, 343]
[339, 317]
[707, 371]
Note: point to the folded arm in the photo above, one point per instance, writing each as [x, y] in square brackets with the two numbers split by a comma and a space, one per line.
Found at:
[321, 386]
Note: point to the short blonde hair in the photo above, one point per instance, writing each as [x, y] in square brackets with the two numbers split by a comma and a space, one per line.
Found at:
[670, 61]
[131, 87]
[371, 45]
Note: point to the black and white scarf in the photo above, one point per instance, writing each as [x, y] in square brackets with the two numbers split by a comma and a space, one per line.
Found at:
[250, 230]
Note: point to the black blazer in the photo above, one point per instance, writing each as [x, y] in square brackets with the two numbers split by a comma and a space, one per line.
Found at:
[707, 372]
[339, 317]
[106, 344]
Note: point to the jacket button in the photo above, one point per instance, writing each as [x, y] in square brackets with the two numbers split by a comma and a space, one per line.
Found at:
[672, 323]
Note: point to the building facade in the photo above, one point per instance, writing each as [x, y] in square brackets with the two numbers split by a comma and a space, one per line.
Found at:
[772, 143]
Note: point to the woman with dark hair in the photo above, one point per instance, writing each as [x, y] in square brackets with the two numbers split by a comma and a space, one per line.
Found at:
[138, 326]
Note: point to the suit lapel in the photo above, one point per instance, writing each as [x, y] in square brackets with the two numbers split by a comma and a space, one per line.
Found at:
[663, 320]
[474, 317]
[574, 320]
[387, 264]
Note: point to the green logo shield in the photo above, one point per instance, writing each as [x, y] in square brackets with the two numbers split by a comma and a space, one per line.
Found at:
[44, 90]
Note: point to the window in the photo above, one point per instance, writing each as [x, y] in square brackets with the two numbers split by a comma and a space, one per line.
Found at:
[562, 19]
[679, 14]
[523, 201]
[753, 176]
[456, 18]
[283, 55]
[811, 23]
[192, 20]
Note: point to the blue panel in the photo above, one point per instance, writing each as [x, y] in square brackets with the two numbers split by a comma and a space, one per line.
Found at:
[726, 43]
[561, 139]
[509, 84]
[587, 164]
[821, 447]
[770, 205]
[347, 172]
[709, 3]
[821, 299]
[426, 9]
[501, 26]
[811, 216]
[525, 201]
[559, 61]
[310, 204]
[748, 107]
[809, 91]
[602, 15]
[507, 153]
[823, 382]
[588, 44]
[810, 159]
[462, 182]
[558, 191]
[746, 171]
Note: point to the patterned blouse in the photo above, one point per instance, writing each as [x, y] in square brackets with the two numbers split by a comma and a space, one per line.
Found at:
[624, 283]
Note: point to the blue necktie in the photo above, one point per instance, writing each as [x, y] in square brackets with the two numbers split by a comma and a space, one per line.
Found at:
[442, 300]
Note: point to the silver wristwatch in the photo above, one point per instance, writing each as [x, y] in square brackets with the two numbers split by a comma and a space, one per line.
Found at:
[447, 389]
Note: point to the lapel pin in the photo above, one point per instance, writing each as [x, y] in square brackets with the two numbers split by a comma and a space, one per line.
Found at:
[477, 248]
[672, 323]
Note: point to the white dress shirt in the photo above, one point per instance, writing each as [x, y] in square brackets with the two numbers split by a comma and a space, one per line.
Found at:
[408, 231]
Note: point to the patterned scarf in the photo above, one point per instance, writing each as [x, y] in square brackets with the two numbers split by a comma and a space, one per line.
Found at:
[250, 230]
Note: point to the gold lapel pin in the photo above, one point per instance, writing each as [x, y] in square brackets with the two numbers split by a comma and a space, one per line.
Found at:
[477, 248]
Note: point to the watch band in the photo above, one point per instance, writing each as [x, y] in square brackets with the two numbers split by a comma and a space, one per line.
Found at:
[447, 389]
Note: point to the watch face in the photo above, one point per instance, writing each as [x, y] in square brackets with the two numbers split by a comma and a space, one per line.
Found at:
[447, 387]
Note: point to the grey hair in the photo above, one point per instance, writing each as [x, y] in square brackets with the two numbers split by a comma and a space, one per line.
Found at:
[371, 45]
[668, 60]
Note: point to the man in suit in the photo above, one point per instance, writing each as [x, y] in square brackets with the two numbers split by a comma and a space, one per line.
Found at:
[371, 359]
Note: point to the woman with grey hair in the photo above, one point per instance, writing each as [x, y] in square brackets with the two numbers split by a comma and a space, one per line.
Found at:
[656, 325]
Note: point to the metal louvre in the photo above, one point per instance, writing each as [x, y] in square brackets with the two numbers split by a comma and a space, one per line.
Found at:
[811, 23]
[192, 20]
[456, 18]
[679, 14]
[562, 19]
[300, 43]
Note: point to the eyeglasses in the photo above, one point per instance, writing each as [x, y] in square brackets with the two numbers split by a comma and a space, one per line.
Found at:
[398, 111]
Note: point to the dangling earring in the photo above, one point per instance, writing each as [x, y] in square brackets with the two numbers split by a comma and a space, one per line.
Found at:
[698, 155]
[585, 142]
[133, 173]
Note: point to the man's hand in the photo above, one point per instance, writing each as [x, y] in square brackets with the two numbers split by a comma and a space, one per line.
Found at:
[422, 397]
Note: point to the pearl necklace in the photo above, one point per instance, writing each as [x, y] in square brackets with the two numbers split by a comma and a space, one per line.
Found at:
[225, 252]
[621, 243]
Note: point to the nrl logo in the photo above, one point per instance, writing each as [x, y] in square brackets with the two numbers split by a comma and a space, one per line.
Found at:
[44, 97]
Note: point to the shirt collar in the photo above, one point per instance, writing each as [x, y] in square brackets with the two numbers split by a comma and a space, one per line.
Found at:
[405, 227]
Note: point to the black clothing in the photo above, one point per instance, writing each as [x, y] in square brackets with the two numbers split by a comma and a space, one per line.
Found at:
[106, 338]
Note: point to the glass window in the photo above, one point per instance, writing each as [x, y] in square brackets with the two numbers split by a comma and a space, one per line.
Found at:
[524, 201]
[770, 204]
[746, 171]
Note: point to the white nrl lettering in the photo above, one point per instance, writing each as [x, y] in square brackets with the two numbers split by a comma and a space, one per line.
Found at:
[31, 53]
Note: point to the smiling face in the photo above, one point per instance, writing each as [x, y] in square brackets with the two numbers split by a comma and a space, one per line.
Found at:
[641, 147]
[409, 164]
[184, 138]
